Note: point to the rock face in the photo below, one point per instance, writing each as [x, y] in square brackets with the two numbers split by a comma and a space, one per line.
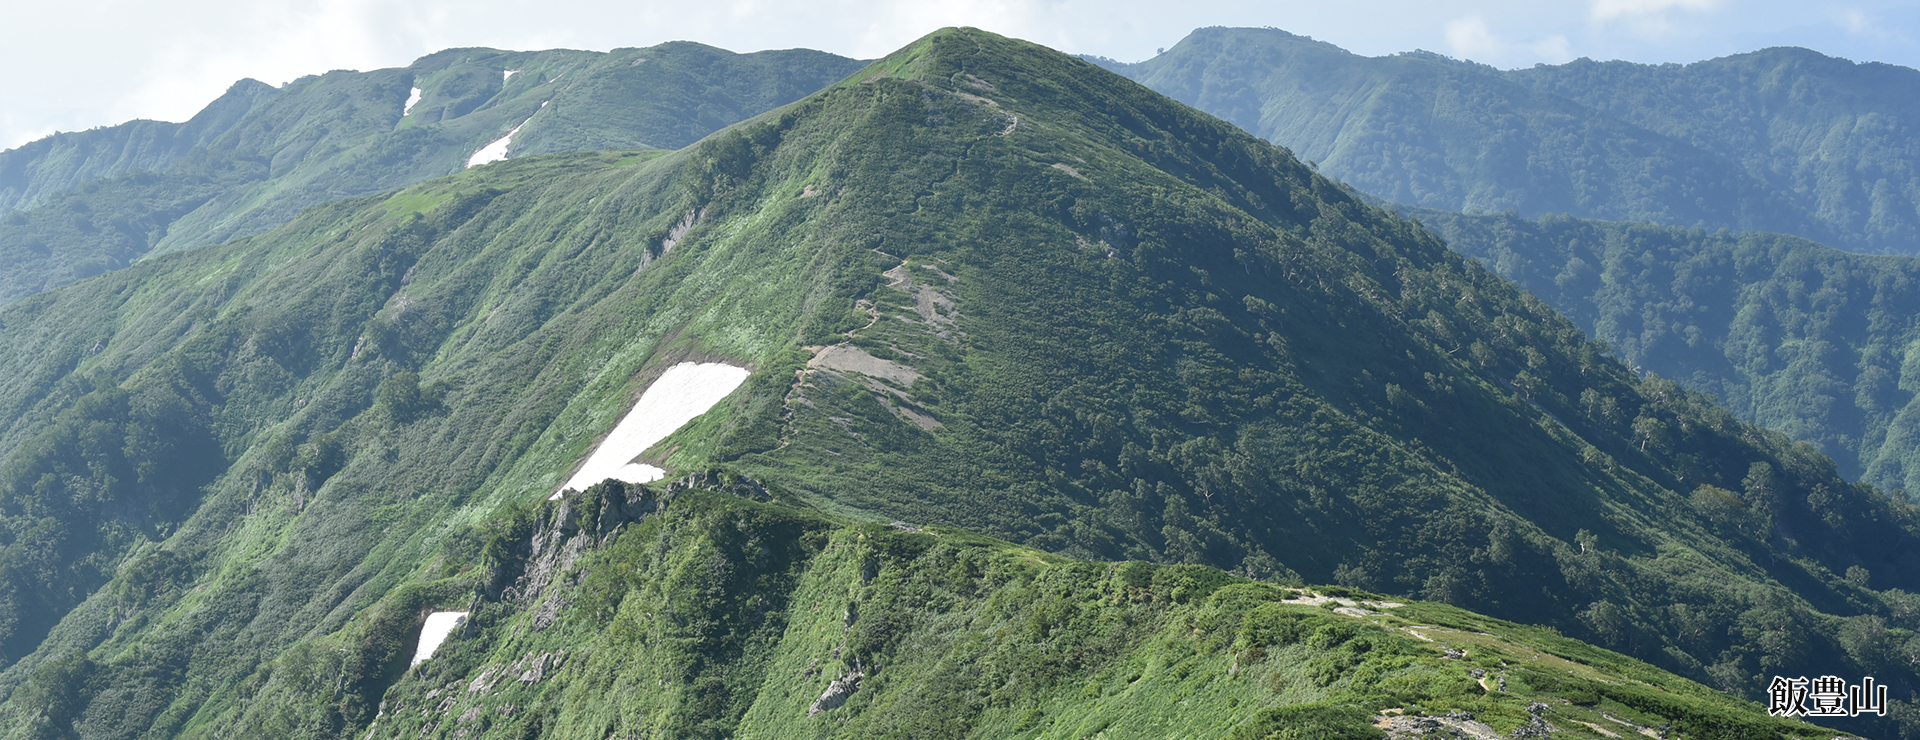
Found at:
[837, 692]
[1536, 726]
[572, 526]
[1451, 726]
[540, 567]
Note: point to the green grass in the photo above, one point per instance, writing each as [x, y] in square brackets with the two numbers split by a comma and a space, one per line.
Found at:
[727, 617]
[1198, 353]
[74, 205]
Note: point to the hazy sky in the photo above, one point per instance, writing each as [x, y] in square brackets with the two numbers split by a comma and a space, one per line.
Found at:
[76, 64]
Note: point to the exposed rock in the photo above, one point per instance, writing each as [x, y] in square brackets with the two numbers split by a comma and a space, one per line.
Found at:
[1536, 726]
[728, 483]
[549, 612]
[559, 539]
[848, 358]
[1453, 726]
[486, 680]
[537, 671]
[447, 704]
[837, 692]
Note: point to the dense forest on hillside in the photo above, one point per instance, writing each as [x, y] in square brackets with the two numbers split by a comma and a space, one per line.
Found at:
[1808, 340]
[1834, 137]
[980, 286]
[1782, 140]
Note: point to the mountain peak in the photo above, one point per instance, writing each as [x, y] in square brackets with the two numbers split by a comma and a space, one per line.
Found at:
[980, 284]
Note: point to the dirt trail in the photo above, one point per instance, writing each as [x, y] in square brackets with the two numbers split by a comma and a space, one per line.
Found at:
[843, 356]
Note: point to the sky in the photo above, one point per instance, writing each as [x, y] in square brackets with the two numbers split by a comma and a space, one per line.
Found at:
[78, 64]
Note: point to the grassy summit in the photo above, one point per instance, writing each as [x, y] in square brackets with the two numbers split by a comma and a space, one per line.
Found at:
[980, 285]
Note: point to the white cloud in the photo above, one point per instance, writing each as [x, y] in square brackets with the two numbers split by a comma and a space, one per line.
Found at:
[100, 62]
[1864, 25]
[1555, 49]
[124, 59]
[1604, 10]
[1650, 18]
[1471, 38]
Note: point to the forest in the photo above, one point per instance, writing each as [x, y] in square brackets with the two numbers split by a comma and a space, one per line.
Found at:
[1140, 425]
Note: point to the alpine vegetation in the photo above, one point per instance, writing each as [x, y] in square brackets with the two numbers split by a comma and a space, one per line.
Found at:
[1783, 139]
[83, 203]
[1061, 395]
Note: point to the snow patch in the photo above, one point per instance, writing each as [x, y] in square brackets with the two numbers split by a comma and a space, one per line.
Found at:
[495, 151]
[434, 632]
[412, 98]
[681, 393]
[507, 75]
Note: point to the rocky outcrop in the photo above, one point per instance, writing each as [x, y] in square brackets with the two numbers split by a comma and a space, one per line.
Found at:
[1536, 726]
[724, 482]
[566, 528]
[837, 692]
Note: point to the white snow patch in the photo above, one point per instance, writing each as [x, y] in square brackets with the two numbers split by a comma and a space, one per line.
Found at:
[507, 75]
[683, 392]
[496, 151]
[412, 98]
[434, 632]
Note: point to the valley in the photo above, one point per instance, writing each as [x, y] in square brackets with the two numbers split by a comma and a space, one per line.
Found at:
[979, 391]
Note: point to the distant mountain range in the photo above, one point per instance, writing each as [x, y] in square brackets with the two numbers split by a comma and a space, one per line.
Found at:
[1789, 147]
[78, 204]
[1785, 140]
[1809, 340]
[984, 290]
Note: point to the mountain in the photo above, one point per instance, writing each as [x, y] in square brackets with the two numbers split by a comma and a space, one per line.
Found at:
[1782, 140]
[978, 286]
[77, 204]
[1796, 336]
[694, 612]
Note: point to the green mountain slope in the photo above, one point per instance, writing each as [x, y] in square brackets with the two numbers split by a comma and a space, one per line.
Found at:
[1782, 140]
[688, 613]
[35, 172]
[981, 285]
[1798, 337]
[1831, 136]
[87, 202]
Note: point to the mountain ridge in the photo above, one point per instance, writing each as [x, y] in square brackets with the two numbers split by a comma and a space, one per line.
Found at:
[1129, 331]
[20, 189]
[1731, 145]
[324, 137]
